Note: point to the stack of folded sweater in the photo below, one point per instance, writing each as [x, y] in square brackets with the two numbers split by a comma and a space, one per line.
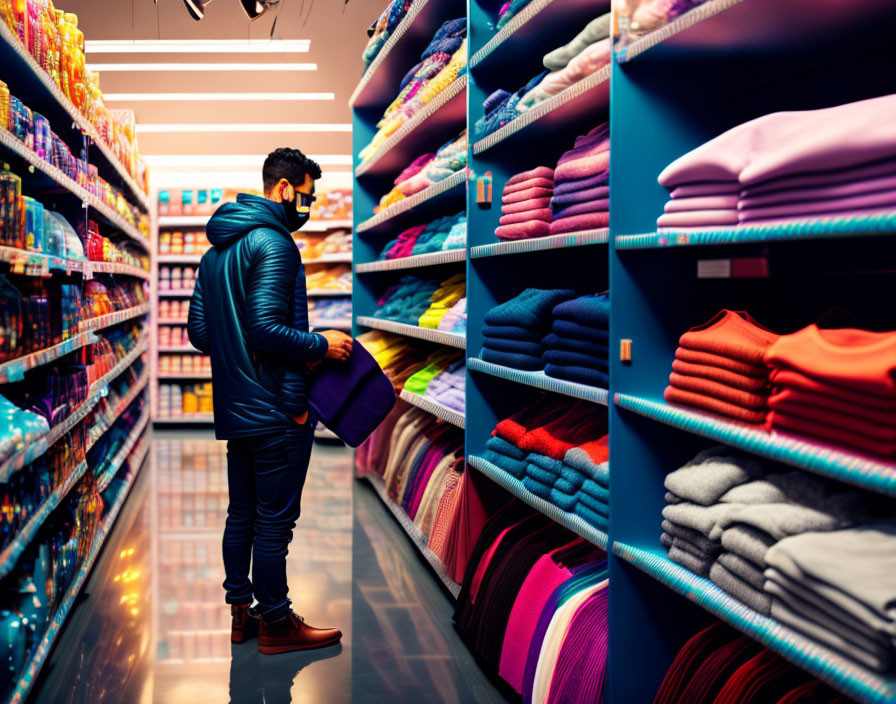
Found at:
[398, 356]
[423, 239]
[577, 347]
[839, 588]
[581, 198]
[649, 15]
[455, 320]
[525, 205]
[447, 387]
[725, 510]
[407, 300]
[560, 451]
[499, 107]
[838, 385]
[457, 236]
[382, 28]
[514, 330]
[788, 166]
[443, 299]
[427, 170]
[719, 367]
[436, 363]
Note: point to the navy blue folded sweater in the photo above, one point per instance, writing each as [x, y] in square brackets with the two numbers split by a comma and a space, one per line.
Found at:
[593, 310]
[571, 344]
[568, 328]
[531, 309]
[581, 375]
[525, 362]
[574, 359]
[504, 344]
[511, 332]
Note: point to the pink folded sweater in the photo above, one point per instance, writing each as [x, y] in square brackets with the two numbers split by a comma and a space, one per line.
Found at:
[543, 214]
[537, 172]
[681, 205]
[523, 231]
[526, 195]
[583, 166]
[577, 223]
[525, 205]
[538, 182]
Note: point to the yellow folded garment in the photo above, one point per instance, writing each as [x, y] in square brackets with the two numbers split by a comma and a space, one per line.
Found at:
[384, 347]
[445, 77]
[442, 300]
[391, 198]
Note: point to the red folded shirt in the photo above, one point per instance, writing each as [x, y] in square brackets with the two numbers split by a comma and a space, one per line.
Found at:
[872, 431]
[789, 378]
[733, 334]
[578, 425]
[787, 396]
[739, 397]
[760, 371]
[512, 429]
[831, 433]
[714, 405]
[519, 196]
[721, 375]
[598, 451]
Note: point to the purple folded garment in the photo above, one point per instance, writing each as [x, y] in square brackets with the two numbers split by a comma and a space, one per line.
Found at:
[817, 193]
[869, 202]
[351, 398]
[699, 218]
[578, 223]
[583, 167]
[526, 195]
[537, 172]
[581, 184]
[863, 172]
[523, 206]
[683, 205]
[543, 214]
[539, 182]
[591, 206]
[589, 149]
[714, 188]
[580, 196]
[534, 228]
[792, 143]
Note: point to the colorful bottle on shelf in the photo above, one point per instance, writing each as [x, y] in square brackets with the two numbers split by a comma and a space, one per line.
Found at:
[12, 209]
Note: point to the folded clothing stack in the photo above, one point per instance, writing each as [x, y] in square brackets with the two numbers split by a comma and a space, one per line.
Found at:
[457, 236]
[560, 451]
[398, 356]
[514, 330]
[313, 246]
[447, 387]
[330, 313]
[499, 107]
[837, 385]
[719, 367]
[436, 363]
[648, 15]
[422, 239]
[427, 170]
[407, 300]
[455, 320]
[838, 161]
[382, 28]
[443, 299]
[332, 278]
[839, 588]
[725, 510]
[581, 198]
[525, 205]
[577, 347]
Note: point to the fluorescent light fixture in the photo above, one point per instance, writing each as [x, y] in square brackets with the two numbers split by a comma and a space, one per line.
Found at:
[288, 127]
[198, 46]
[172, 161]
[220, 97]
[106, 68]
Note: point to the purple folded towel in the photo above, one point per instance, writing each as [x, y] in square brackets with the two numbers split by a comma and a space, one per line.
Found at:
[699, 218]
[578, 223]
[575, 197]
[683, 205]
[591, 206]
[712, 188]
[571, 185]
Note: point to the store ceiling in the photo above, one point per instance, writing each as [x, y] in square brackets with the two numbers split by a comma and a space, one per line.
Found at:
[318, 123]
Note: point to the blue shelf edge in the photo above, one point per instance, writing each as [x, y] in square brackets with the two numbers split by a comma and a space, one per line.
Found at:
[868, 225]
[538, 244]
[540, 380]
[860, 470]
[438, 336]
[576, 524]
[841, 673]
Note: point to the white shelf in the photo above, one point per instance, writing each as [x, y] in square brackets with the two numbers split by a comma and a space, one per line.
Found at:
[418, 260]
[326, 293]
[443, 338]
[110, 319]
[437, 409]
[178, 258]
[92, 268]
[178, 293]
[540, 244]
[186, 418]
[198, 375]
[415, 201]
[181, 348]
[337, 258]
[183, 220]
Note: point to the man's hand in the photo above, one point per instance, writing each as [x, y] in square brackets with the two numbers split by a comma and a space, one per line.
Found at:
[339, 345]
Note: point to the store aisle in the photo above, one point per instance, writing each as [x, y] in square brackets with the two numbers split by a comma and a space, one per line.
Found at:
[151, 627]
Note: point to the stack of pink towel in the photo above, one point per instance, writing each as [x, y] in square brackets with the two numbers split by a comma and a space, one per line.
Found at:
[526, 205]
[581, 198]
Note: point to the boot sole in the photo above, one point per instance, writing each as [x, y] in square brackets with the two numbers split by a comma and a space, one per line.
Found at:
[277, 649]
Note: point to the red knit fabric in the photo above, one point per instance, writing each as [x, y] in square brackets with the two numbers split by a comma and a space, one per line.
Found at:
[699, 357]
[784, 397]
[597, 450]
[842, 434]
[733, 334]
[721, 375]
[689, 660]
[716, 669]
[581, 423]
[512, 429]
[810, 692]
[739, 397]
[525, 205]
[763, 678]
[713, 405]
[523, 231]
[788, 378]
[520, 186]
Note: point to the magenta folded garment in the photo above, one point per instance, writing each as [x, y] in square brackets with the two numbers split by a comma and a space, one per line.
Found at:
[598, 135]
[523, 231]
[537, 172]
[544, 214]
[699, 218]
[526, 185]
[792, 143]
[683, 205]
[581, 168]
[525, 195]
[591, 206]
[817, 193]
[714, 188]
[577, 223]
[862, 172]
[524, 205]
[581, 184]
[584, 196]
[868, 202]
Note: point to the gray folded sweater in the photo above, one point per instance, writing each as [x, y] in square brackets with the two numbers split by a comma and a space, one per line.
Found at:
[748, 542]
[712, 473]
[594, 31]
[746, 569]
[756, 599]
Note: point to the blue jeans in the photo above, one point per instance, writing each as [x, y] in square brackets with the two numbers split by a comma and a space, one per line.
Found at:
[265, 474]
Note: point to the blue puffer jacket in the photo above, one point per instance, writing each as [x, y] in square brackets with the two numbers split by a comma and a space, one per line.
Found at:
[249, 312]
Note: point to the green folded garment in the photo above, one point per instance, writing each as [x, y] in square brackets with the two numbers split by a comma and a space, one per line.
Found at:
[594, 31]
[418, 382]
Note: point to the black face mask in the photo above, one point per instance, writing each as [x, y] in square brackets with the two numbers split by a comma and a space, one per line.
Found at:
[294, 219]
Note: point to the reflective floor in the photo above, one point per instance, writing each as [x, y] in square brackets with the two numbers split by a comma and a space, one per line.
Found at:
[151, 625]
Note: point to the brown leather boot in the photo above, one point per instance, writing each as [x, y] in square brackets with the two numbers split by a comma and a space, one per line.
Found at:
[244, 623]
[292, 633]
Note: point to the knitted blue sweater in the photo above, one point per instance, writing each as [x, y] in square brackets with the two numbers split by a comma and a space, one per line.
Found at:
[531, 309]
[593, 310]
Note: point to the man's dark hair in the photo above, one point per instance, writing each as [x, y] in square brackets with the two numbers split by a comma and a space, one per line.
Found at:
[290, 164]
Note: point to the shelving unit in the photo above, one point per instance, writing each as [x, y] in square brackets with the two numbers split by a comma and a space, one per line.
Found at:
[443, 338]
[437, 409]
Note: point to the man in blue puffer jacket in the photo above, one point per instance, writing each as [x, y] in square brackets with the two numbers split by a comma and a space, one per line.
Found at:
[249, 312]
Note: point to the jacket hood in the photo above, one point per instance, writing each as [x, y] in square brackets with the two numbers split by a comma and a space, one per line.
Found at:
[233, 221]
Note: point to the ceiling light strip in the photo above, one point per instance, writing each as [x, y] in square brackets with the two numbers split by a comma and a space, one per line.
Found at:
[296, 127]
[163, 67]
[219, 97]
[234, 160]
[198, 46]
